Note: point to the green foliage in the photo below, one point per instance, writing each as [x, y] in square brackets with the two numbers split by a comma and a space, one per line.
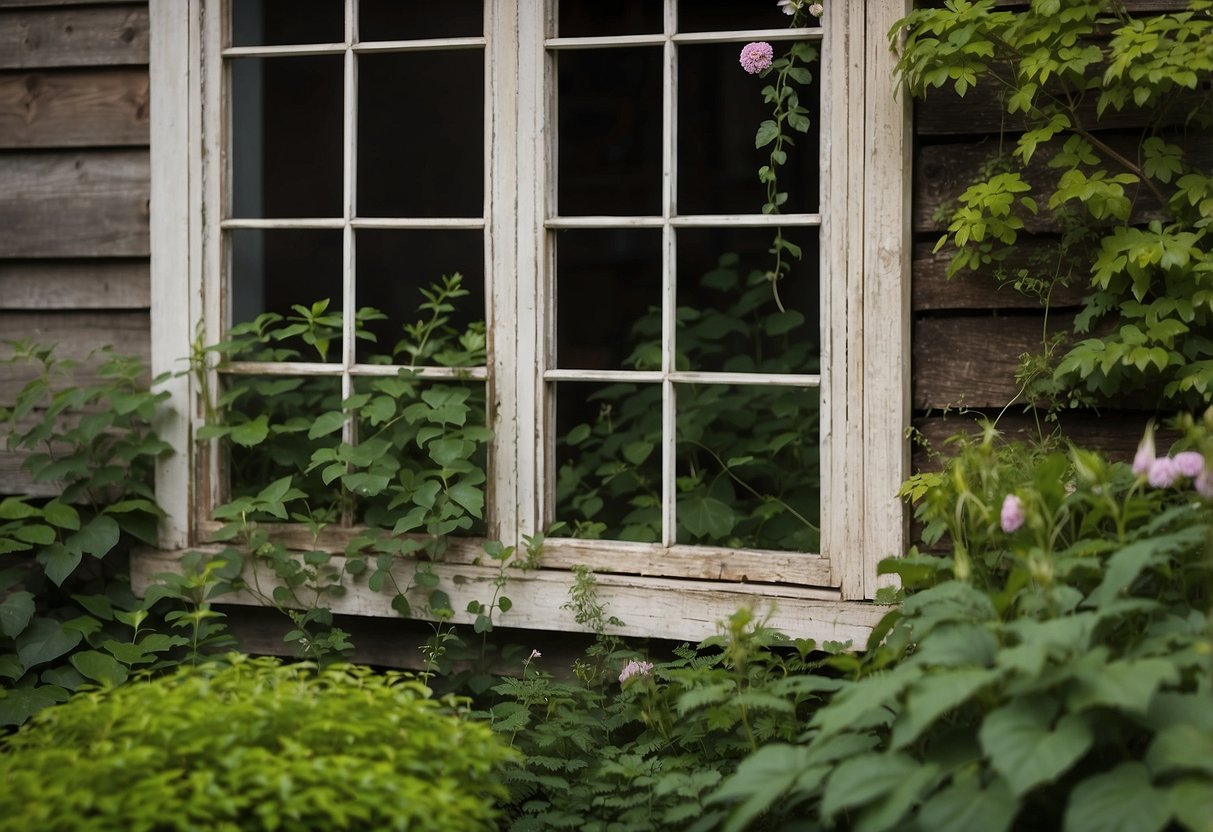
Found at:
[254, 745]
[1135, 219]
[67, 614]
[1051, 670]
[747, 456]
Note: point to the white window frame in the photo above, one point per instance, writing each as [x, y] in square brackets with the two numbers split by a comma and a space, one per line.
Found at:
[664, 590]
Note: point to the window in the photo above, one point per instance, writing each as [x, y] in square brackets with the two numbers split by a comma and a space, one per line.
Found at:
[589, 171]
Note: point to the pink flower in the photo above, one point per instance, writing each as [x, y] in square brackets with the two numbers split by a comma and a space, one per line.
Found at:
[1163, 472]
[756, 56]
[635, 668]
[1204, 485]
[1144, 457]
[1012, 514]
[1189, 463]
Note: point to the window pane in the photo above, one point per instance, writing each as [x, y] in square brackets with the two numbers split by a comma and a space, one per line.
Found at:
[279, 411]
[275, 270]
[719, 108]
[728, 316]
[610, 132]
[728, 15]
[278, 22]
[608, 298]
[419, 465]
[418, 19]
[748, 467]
[421, 134]
[580, 18]
[393, 269]
[608, 457]
[286, 137]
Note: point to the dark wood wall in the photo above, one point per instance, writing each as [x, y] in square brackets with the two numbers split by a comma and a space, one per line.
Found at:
[968, 332]
[73, 183]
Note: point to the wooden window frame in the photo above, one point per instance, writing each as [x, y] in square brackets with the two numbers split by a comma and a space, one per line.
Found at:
[667, 590]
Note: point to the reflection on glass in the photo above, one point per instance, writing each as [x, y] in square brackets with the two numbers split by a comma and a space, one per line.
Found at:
[608, 456]
[280, 22]
[396, 270]
[419, 19]
[286, 136]
[610, 131]
[580, 19]
[421, 145]
[729, 315]
[719, 107]
[748, 467]
[608, 296]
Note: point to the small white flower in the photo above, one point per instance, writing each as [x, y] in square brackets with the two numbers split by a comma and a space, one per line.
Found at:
[817, 10]
[788, 7]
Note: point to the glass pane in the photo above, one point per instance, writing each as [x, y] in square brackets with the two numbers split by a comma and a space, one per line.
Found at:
[277, 270]
[419, 464]
[608, 457]
[418, 19]
[279, 22]
[608, 299]
[420, 147]
[748, 467]
[394, 267]
[729, 318]
[719, 108]
[579, 18]
[729, 15]
[286, 137]
[269, 419]
[610, 132]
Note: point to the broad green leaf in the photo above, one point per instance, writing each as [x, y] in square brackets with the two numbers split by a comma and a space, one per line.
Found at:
[59, 562]
[1193, 803]
[37, 534]
[934, 695]
[781, 322]
[864, 703]
[326, 423]
[637, 452]
[706, 516]
[1181, 747]
[61, 515]
[16, 610]
[767, 131]
[99, 667]
[1121, 800]
[251, 433]
[762, 779]
[1124, 566]
[127, 653]
[469, 496]
[1125, 685]
[865, 778]
[43, 641]
[1024, 748]
[19, 704]
[15, 508]
[965, 807]
[10, 667]
[97, 538]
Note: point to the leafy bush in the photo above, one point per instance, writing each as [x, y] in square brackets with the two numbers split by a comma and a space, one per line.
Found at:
[254, 745]
[1051, 671]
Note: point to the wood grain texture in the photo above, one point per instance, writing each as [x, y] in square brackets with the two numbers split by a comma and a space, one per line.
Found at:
[73, 36]
[934, 291]
[74, 204]
[74, 108]
[661, 607]
[943, 171]
[971, 361]
[77, 334]
[74, 284]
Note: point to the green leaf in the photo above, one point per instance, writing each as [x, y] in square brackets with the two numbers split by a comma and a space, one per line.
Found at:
[706, 516]
[781, 322]
[61, 515]
[1125, 685]
[767, 131]
[14, 508]
[99, 667]
[10, 667]
[578, 434]
[637, 452]
[469, 496]
[865, 779]
[965, 806]
[37, 534]
[19, 704]
[1121, 800]
[44, 641]
[251, 433]
[1193, 802]
[97, 538]
[934, 695]
[59, 562]
[15, 613]
[1025, 750]
[326, 423]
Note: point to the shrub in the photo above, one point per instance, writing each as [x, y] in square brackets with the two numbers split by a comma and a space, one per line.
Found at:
[253, 745]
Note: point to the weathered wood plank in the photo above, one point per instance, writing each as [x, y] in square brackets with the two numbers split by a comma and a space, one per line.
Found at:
[81, 36]
[933, 291]
[666, 608]
[77, 334]
[74, 284]
[74, 108]
[16, 480]
[74, 204]
[1113, 433]
[971, 361]
[943, 171]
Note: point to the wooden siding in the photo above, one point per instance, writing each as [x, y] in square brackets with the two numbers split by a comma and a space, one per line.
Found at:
[74, 185]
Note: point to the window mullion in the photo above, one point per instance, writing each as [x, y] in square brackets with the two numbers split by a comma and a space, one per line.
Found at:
[349, 129]
[669, 284]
